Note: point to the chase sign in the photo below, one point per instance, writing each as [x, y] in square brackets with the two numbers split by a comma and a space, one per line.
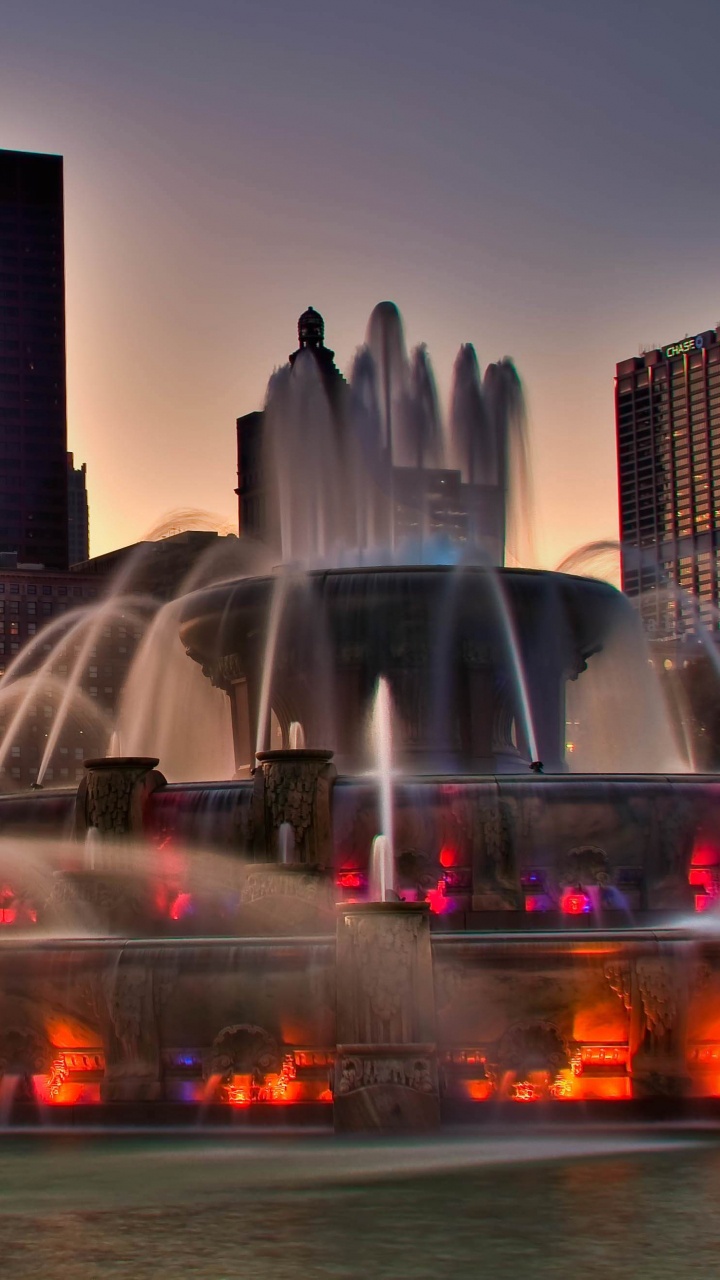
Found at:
[681, 348]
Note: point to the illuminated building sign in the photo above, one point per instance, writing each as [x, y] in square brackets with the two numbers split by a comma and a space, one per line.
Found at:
[681, 348]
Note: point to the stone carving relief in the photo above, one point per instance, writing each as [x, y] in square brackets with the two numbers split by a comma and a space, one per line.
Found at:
[243, 1050]
[110, 793]
[24, 1051]
[100, 900]
[619, 978]
[528, 1047]
[355, 1072]
[224, 672]
[384, 949]
[588, 864]
[295, 790]
[660, 992]
[261, 882]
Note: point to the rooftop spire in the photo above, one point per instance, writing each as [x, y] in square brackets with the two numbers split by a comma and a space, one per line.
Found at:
[311, 329]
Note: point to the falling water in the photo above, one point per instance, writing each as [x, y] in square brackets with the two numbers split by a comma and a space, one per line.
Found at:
[386, 343]
[281, 587]
[381, 732]
[522, 691]
[170, 710]
[286, 844]
[381, 886]
[113, 607]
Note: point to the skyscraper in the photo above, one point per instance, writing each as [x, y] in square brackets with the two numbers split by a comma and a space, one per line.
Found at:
[668, 438]
[33, 427]
[78, 519]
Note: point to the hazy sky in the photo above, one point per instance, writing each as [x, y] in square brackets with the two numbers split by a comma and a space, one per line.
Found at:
[539, 177]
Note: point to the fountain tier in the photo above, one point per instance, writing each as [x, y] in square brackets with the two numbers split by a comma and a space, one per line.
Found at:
[477, 660]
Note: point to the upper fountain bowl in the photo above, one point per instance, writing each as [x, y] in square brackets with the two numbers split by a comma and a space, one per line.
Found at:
[479, 662]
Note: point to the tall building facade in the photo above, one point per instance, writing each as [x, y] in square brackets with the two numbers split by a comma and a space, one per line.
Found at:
[33, 426]
[78, 516]
[667, 404]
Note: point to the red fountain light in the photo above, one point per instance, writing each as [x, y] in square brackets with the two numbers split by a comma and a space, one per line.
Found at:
[181, 906]
[704, 875]
[575, 902]
[536, 902]
[351, 880]
[438, 900]
[8, 907]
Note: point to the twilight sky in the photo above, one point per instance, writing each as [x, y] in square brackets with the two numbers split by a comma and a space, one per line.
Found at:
[539, 177]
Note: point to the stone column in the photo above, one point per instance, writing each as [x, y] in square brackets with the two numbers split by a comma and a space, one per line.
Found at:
[386, 1065]
[292, 790]
[112, 795]
[108, 895]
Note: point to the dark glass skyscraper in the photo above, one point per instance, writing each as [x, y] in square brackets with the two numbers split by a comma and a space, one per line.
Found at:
[668, 437]
[33, 424]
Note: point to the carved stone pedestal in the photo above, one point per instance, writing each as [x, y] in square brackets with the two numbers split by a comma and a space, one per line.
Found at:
[112, 795]
[386, 1067]
[292, 790]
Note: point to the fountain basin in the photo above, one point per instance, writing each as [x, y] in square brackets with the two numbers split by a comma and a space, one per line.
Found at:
[477, 660]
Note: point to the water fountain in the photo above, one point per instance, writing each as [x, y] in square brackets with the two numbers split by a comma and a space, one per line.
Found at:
[473, 761]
